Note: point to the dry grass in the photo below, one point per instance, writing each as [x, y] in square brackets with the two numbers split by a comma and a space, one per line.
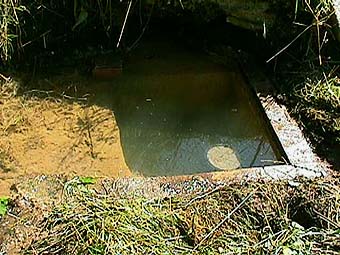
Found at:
[301, 217]
[9, 27]
[318, 99]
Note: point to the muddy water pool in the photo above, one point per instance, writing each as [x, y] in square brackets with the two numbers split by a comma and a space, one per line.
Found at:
[172, 111]
[179, 113]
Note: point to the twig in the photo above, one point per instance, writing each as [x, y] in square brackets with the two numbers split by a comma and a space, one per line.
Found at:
[180, 1]
[289, 44]
[202, 196]
[329, 221]
[84, 98]
[42, 35]
[6, 79]
[14, 12]
[123, 27]
[225, 219]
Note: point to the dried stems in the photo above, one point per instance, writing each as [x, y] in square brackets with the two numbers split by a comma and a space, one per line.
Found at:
[271, 219]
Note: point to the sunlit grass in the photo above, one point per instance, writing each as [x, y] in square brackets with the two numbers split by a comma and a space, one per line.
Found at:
[256, 218]
[324, 91]
[319, 100]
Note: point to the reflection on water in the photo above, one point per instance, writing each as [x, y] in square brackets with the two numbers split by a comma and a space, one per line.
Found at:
[173, 106]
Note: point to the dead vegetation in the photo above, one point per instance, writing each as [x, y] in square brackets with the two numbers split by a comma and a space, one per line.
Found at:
[296, 217]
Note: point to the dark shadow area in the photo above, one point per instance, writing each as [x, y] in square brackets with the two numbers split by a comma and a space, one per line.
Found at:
[301, 212]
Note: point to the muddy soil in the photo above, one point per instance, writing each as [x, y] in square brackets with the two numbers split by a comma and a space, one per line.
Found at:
[41, 136]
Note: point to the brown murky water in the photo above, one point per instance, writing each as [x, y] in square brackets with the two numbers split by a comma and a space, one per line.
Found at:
[173, 111]
[180, 113]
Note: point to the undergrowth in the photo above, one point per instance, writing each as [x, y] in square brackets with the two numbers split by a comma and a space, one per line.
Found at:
[301, 217]
[307, 68]
[315, 102]
[319, 100]
[9, 27]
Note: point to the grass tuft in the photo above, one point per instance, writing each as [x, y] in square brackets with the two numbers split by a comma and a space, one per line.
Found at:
[318, 99]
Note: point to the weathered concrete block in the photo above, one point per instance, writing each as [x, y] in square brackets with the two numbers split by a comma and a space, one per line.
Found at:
[249, 14]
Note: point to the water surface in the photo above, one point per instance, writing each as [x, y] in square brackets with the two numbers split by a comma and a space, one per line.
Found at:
[180, 113]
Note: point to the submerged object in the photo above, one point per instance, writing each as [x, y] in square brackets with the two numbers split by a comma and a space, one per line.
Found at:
[223, 157]
[107, 66]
